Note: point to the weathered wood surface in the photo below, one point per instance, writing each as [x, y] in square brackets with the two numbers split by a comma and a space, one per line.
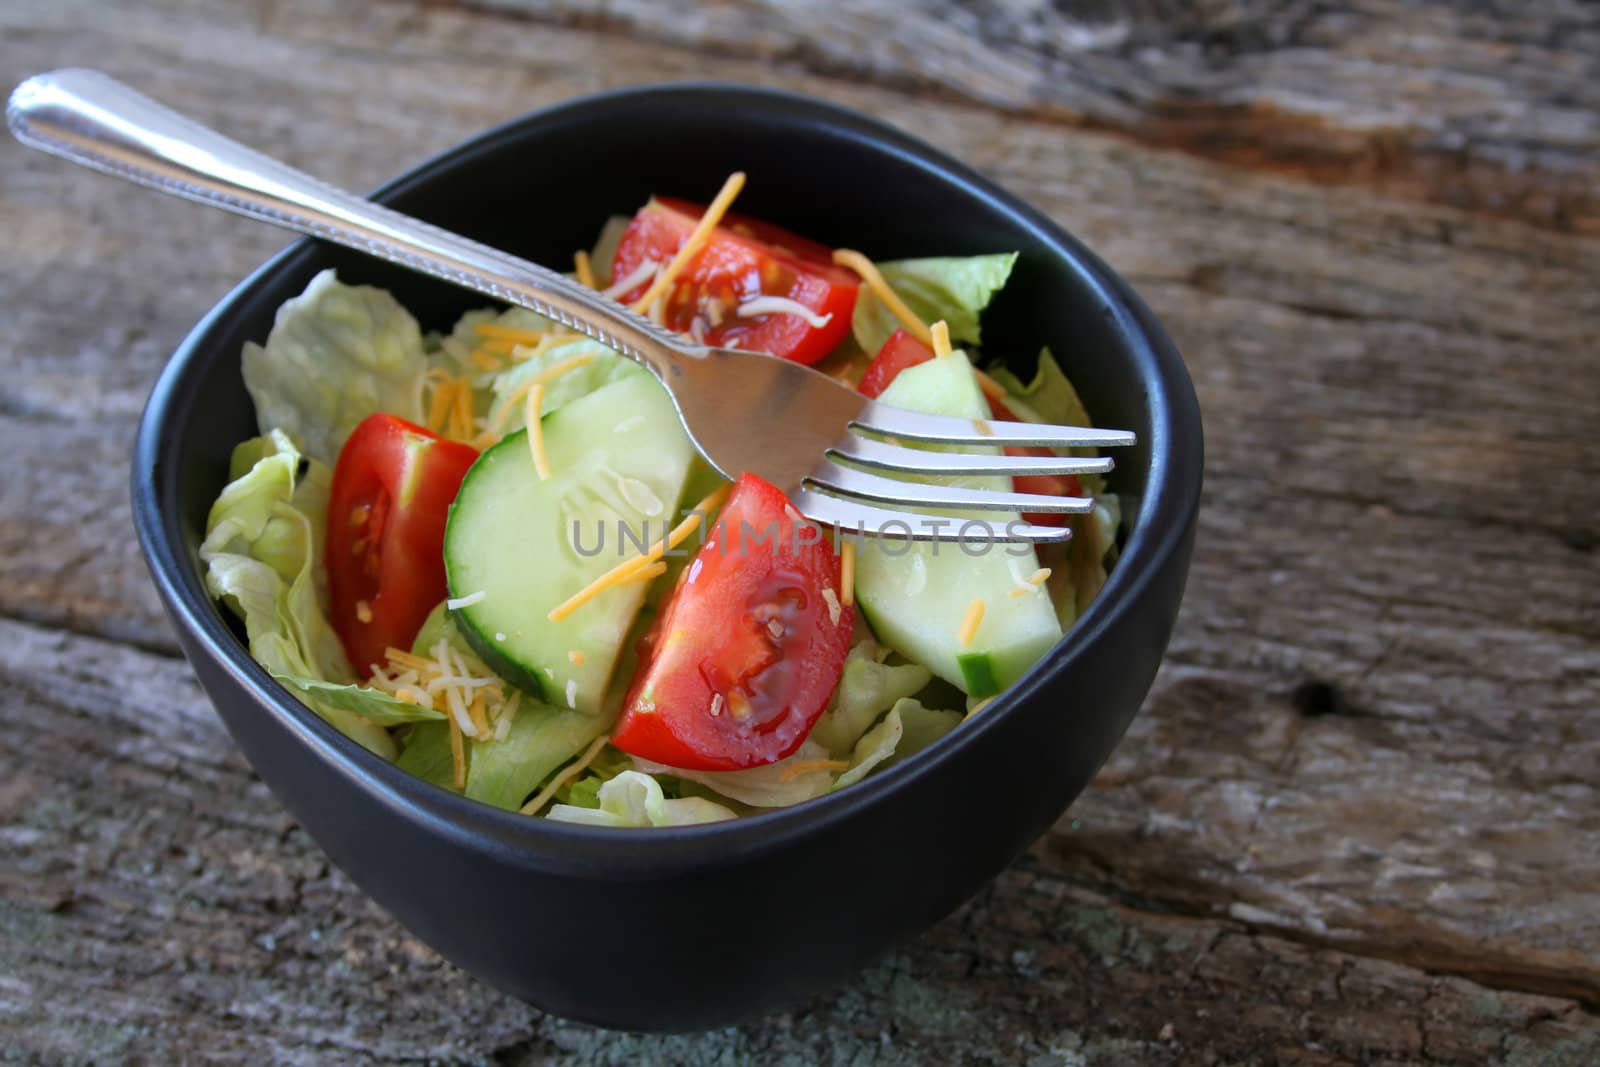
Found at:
[1358, 819]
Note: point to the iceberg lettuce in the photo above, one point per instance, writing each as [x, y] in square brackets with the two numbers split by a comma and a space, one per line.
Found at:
[260, 553]
[636, 799]
[868, 687]
[953, 288]
[336, 354]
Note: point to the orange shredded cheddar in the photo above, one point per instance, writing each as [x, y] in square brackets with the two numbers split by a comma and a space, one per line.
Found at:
[567, 774]
[585, 272]
[868, 271]
[541, 465]
[480, 718]
[407, 659]
[939, 334]
[508, 335]
[806, 766]
[439, 404]
[458, 754]
[847, 573]
[695, 241]
[970, 622]
[623, 572]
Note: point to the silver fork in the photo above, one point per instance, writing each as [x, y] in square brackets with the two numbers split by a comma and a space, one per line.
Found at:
[814, 437]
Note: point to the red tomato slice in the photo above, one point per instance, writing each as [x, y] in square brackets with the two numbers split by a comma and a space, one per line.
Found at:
[782, 241]
[392, 489]
[748, 650]
[902, 350]
[734, 268]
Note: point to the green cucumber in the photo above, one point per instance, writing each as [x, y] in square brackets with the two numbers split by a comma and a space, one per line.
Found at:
[915, 595]
[618, 460]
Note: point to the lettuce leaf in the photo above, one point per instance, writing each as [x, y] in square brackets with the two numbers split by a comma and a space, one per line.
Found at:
[371, 704]
[427, 755]
[775, 785]
[541, 739]
[603, 368]
[336, 354]
[953, 288]
[636, 799]
[868, 687]
[260, 553]
[906, 730]
[454, 349]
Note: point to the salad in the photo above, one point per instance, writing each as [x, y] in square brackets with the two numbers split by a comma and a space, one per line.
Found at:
[492, 555]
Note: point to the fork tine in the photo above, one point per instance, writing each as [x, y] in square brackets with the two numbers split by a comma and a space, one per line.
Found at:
[853, 517]
[878, 417]
[919, 495]
[885, 456]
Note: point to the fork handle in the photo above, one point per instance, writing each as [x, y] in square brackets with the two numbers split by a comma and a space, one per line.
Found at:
[97, 122]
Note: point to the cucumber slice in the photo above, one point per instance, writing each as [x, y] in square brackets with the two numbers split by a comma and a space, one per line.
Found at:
[915, 595]
[616, 456]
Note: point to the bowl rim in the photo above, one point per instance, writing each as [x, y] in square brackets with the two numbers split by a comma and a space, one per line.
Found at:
[1168, 509]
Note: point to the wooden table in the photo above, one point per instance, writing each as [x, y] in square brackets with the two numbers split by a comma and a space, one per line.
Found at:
[1358, 818]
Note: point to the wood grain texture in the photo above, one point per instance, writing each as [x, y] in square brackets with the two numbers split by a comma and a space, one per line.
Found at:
[1489, 106]
[1358, 817]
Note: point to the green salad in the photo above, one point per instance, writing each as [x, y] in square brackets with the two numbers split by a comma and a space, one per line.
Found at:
[493, 557]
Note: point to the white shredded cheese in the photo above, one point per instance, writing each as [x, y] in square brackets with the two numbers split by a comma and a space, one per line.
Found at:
[782, 305]
[572, 692]
[831, 598]
[644, 272]
[459, 602]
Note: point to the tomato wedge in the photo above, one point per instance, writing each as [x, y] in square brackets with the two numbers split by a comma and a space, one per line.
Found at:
[392, 489]
[748, 650]
[744, 259]
[902, 350]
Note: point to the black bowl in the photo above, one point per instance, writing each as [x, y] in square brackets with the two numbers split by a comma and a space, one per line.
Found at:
[678, 929]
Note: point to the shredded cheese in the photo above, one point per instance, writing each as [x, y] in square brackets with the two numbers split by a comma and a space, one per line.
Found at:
[1021, 590]
[406, 659]
[461, 414]
[585, 272]
[576, 657]
[480, 718]
[624, 572]
[458, 756]
[541, 465]
[459, 602]
[970, 622]
[939, 334]
[868, 271]
[439, 404]
[830, 598]
[782, 305]
[847, 573]
[1040, 576]
[572, 692]
[695, 241]
[807, 766]
[514, 335]
[636, 277]
[497, 423]
[645, 574]
[484, 359]
[565, 775]
[363, 611]
[991, 388]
